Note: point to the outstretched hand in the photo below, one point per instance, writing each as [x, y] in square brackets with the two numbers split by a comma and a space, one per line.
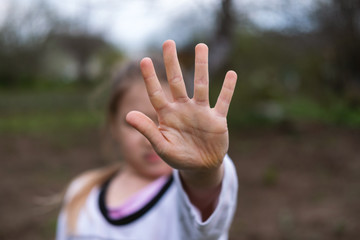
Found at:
[190, 134]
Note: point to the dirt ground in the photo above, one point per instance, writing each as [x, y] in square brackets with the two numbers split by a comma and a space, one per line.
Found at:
[302, 184]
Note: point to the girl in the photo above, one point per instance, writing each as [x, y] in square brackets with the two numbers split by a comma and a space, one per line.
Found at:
[176, 181]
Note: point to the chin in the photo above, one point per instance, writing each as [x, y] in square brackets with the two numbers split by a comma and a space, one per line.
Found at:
[156, 173]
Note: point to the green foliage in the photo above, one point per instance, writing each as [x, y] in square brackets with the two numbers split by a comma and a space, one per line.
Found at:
[282, 79]
[67, 53]
[294, 111]
[336, 113]
[48, 122]
[285, 79]
[46, 112]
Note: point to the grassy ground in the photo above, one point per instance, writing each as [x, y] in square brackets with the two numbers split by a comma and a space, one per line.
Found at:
[297, 182]
[46, 112]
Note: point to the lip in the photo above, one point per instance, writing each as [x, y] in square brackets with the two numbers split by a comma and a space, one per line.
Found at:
[152, 157]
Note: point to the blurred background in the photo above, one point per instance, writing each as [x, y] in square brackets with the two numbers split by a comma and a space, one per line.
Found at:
[294, 120]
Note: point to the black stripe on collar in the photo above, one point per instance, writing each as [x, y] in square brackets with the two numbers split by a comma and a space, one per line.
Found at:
[132, 217]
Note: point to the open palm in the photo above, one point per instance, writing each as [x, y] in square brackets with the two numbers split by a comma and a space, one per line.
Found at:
[190, 135]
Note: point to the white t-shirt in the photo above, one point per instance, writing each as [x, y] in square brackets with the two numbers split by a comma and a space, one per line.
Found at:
[169, 216]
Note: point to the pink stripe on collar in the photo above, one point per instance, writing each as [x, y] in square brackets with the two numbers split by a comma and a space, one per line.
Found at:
[139, 200]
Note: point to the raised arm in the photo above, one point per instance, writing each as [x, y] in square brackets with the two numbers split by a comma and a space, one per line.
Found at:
[191, 137]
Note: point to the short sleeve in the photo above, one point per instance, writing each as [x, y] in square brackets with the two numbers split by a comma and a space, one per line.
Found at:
[216, 227]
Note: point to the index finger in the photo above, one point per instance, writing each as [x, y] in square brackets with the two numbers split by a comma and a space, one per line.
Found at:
[153, 86]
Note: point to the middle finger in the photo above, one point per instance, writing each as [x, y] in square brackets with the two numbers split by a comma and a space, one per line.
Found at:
[173, 72]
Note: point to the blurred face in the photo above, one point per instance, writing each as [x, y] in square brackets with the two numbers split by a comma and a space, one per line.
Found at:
[139, 156]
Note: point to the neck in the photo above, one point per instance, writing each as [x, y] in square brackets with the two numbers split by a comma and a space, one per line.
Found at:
[124, 185]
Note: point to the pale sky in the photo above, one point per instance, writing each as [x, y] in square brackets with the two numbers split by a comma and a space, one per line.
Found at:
[134, 24]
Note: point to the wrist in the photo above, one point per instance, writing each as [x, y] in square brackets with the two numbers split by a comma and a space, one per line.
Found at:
[206, 179]
[203, 188]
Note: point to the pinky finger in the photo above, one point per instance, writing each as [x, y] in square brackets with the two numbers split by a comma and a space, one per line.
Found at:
[226, 93]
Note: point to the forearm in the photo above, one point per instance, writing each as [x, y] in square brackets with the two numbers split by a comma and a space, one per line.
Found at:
[203, 188]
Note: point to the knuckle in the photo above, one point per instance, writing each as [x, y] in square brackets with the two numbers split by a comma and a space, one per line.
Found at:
[150, 77]
[199, 61]
[182, 99]
[228, 87]
[155, 93]
[201, 80]
[225, 100]
[175, 79]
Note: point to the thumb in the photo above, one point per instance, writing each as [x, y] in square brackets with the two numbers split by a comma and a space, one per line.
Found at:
[146, 127]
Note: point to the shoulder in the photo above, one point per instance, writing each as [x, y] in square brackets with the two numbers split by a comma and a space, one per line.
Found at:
[85, 182]
[79, 183]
